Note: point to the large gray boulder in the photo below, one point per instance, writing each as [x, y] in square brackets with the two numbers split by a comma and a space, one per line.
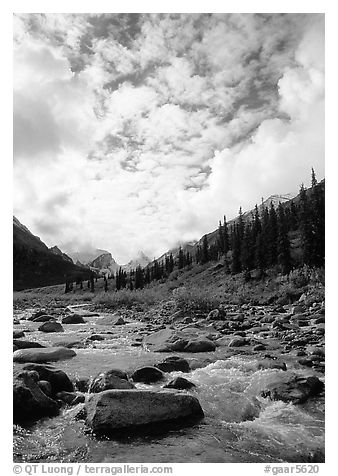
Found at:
[172, 340]
[122, 409]
[26, 344]
[47, 354]
[73, 319]
[147, 375]
[200, 345]
[29, 401]
[18, 334]
[112, 379]
[51, 326]
[114, 320]
[44, 318]
[296, 390]
[174, 364]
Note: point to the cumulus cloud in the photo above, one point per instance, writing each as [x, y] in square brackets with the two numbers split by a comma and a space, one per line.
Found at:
[139, 131]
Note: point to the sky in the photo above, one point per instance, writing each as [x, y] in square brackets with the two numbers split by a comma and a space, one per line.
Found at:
[140, 131]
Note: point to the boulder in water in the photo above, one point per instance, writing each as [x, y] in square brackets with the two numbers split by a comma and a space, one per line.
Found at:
[200, 345]
[29, 401]
[18, 334]
[214, 315]
[71, 398]
[47, 354]
[296, 390]
[58, 379]
[174, 364]
[73, 319]
[45, 387]
[147, 375]
[113, 379]
[51, 326]
[113, 410]
[179, 383]
[44, 318]
[36, 314]
[239, 342]
[113, 320]
[25, 344]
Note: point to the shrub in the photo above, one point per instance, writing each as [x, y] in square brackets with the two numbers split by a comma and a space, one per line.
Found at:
[196, 299]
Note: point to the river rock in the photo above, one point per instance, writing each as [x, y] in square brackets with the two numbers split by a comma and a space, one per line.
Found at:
[147, 375]
[96, 337]
[51, 326]
[239, 342]
[200, 345]
[70, 398]
[45, 387]
[122, 409]
[44, 318]
[113, 320]
[58, 379]
[73, 319]
[174, 364]
[296, 390]
[112, 379]
[25, 344]
[214, 315]
[29, 401]
[18, 334]
[82, 384]
[163, 340]
[47, 354]
[179, 383]
[36, 314]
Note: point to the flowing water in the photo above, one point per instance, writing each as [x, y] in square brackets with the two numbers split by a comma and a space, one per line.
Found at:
[239, 425]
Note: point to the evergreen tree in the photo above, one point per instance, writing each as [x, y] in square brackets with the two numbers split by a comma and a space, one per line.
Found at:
[205, 250]
[91, 279]
[236, 250]
[139, 278]
[180, 259]
[305, 226]
[318, 223]
[283, 243]
[247, 261]
[313, 178]
[271, 239]
[105, 284]
[260, 261]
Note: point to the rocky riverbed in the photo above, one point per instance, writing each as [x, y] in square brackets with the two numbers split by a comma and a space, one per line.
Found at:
[238, 384]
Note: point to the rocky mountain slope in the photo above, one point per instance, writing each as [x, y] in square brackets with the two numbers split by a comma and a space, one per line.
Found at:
[34, 264]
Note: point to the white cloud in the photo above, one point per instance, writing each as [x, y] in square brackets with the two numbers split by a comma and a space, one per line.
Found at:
[149, 142]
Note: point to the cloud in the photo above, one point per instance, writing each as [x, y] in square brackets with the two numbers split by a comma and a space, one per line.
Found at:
[279, 154]
[139, 131]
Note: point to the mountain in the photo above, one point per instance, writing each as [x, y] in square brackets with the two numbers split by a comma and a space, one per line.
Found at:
[140, 260]
[58, 252]
[35, 265]
[86, 256]
[105, 264]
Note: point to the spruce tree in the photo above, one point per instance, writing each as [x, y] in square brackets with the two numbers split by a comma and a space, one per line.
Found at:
[180, 259]
[283, 243]
[305, 225]
[272, 236]
[205, 250]
[236, 250]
